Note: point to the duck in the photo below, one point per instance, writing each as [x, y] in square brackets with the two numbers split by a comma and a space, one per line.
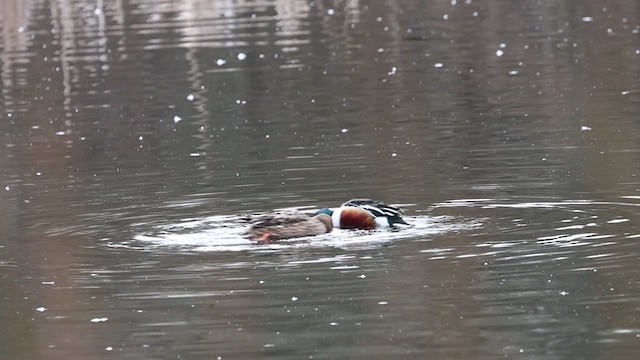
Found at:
[364, 214]
[270, 228]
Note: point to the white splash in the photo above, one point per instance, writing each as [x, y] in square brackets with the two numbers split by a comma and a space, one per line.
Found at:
[226, 233]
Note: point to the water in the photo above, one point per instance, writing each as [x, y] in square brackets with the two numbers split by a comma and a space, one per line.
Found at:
[136, 133]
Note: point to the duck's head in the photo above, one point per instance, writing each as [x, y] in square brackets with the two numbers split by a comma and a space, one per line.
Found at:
[325, 211]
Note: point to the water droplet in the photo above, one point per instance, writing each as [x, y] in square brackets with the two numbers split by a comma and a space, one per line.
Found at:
[221, 62]
[242, 56]
[438, 65]
[41, 309]
[176, 119]
[499, 53]
[293, 298]
[587, 19]
[585, 128]
[330, 12]
[190, 97]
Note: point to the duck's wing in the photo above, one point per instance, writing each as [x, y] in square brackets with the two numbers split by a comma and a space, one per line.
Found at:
[279, 219]
[377, 208]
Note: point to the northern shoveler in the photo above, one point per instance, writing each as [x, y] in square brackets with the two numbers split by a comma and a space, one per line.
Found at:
[364, 214]
[272, 227]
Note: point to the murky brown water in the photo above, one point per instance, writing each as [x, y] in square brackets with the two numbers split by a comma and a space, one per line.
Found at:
[134, 132]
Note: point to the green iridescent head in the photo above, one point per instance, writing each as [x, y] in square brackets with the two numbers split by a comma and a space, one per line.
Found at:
[326, 211]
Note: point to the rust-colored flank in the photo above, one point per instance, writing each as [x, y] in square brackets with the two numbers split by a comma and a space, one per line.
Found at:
[355, 218]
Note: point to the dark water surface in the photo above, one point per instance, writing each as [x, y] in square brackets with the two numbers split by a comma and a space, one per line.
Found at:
[134, 133]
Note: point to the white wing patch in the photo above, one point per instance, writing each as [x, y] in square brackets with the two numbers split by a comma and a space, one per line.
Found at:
[376, 208]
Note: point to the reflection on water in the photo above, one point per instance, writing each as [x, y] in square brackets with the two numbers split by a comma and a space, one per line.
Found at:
[135, 132]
